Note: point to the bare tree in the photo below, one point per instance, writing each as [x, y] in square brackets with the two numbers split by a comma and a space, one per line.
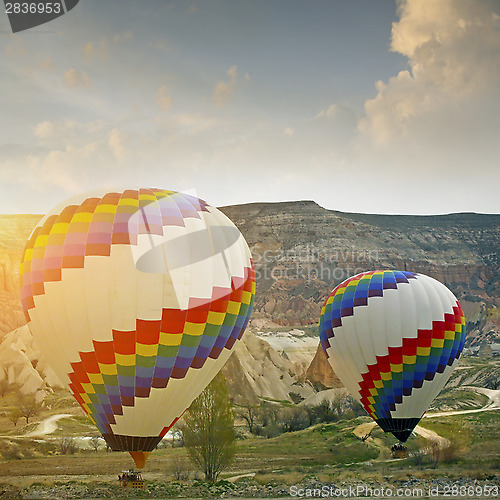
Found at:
[209, 434]
[179, 468]
[250, 413]
[29, 407]
[67, 446]
[177, 437]
[94, 443]
[15, 415]
[4, 387]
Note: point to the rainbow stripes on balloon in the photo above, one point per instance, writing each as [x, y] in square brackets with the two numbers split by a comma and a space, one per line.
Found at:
[393, 338]
[136, 297]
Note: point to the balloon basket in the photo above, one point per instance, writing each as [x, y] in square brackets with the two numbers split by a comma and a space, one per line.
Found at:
[399, 450]
[131, 479]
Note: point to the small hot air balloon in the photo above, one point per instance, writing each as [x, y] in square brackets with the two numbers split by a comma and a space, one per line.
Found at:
[393, 338]
[136, 298]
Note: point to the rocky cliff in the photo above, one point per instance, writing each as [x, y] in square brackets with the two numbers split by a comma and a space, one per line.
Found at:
[14, 232]
[302, 251]
[255, 369]
[320, 372]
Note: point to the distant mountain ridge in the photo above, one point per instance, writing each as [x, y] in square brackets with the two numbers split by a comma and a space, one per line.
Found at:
[301, 251]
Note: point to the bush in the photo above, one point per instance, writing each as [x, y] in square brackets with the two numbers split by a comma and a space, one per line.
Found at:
[67, 446]
[11, 452]
[450, 451]
[179, 468]
[295, 419]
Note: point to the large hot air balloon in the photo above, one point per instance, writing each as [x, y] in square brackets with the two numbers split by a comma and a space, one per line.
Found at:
[393, 338]
[136, 298]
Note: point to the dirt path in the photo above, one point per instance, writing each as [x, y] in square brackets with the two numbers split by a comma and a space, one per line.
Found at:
[47, 426]
[493, 394]
[431, 436]
[362, 431]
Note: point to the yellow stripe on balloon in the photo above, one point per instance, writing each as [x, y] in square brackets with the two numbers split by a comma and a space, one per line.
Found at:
[88, 388]
[28, 254]
[215, 318]
[82, 217]
[246, 297]
[170, 339]
[131, 202]
[145, 196]
[437, 343]
[450, 335]
[397, 368]
[409, 360]
[194, 328]
[233, 307]
[105, 208]
[108, 369]
[125, 359]
[95, 378]
[423, 351]
[41, 240]
[146, 350]
[59, 228]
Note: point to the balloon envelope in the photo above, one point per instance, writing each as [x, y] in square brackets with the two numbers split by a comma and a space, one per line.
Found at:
[393, 338]
[136, 298]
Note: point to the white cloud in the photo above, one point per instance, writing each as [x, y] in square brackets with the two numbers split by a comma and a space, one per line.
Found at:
[224, 90]
[116, 143]
[60, 168]
[163, 98]
[438, 119]
[74, 78]
[44, 130]
[453, 51]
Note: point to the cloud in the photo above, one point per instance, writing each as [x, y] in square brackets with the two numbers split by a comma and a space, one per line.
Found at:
[338, 113]
[126, 36]
[437, 120]
[163, 98]
[16, 48]
[96, 51]
[74, 78]
[59, 168]
[452, 48]
[44, 130]
[116, 143]
[224, 90]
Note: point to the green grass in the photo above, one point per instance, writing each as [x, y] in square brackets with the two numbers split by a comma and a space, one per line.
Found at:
[459, 399]
[75, 426]
[469, 429]
[323, 444]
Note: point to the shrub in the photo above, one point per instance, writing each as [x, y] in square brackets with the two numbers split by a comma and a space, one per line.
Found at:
[67, 446]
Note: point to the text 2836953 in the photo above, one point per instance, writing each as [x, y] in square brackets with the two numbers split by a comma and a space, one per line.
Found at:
[33, 7]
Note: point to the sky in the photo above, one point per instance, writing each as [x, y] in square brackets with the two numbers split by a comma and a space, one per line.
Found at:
[362, 106]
